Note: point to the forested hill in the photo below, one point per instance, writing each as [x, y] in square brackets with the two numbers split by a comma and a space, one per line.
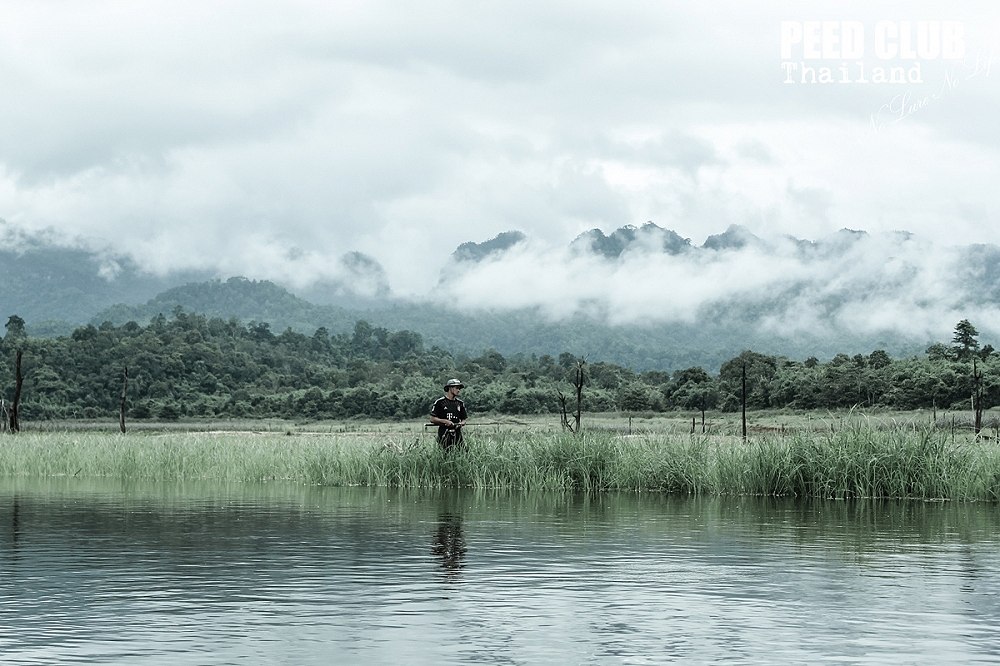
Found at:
[195, 366]
[238, 298]
[665, 347]
[56, 289]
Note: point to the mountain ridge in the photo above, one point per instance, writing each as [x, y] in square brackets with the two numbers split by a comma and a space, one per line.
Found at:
[56, 289]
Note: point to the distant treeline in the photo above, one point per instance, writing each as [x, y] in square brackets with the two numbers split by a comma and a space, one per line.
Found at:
[191, 365]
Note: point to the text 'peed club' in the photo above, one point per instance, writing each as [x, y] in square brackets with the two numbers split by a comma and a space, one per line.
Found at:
[836, 51]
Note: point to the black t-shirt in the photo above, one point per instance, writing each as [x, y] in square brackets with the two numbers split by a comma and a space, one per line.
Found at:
[452, 410]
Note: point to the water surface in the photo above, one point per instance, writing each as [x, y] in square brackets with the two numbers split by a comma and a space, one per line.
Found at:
[223, 574]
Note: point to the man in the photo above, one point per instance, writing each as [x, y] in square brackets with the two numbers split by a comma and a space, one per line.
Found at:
[448, 413]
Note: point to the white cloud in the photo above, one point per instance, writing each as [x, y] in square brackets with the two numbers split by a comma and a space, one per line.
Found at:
[847, 283]
[232, 137]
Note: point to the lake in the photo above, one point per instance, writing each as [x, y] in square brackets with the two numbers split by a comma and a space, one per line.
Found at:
[200, 573]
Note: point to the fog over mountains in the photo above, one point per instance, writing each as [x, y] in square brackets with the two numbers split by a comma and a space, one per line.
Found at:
[850, 281]
[639, 294]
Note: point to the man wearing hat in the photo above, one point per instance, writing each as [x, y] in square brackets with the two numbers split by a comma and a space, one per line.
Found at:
[448, 413]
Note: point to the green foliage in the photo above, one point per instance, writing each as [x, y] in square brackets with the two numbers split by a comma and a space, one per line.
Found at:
[759, 371]
[191, 365]
[707, 342]
[965, 343]
[862, 462]
[15, 328]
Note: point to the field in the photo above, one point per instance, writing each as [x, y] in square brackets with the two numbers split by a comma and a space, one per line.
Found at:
[834, 455]
[717, 424]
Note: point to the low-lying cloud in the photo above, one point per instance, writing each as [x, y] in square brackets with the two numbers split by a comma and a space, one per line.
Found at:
[849, 282]
[275, 141]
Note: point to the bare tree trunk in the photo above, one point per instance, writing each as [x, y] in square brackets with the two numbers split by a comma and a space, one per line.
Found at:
[14, 420]
[744, 401]
[578, 381]
[977, 397]
[121, 406]
[565, 416]
[578, 384]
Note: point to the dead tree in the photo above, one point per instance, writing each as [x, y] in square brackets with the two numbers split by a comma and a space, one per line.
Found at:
[13, 420]
[743, 400]
[704, 399]
[977, 397]
[579, 377]
[121, 405]
[562, 407]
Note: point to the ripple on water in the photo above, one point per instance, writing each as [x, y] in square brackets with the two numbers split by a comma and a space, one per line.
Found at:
[351, 575]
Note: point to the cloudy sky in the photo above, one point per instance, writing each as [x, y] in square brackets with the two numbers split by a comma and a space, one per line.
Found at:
[240, 136]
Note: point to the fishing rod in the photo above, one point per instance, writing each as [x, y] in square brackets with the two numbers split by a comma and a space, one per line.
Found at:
[435, 425]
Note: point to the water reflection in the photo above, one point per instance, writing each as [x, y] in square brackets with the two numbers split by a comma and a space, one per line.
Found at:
[282, 574]
[449, 543]
[15, 527]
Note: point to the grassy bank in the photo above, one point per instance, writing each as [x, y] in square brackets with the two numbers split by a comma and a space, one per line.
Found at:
[859, 461]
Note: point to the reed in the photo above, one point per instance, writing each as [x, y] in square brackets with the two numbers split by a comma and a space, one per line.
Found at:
[855, 462]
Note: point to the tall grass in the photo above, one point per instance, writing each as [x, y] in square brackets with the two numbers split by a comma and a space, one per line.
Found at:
[864, 462]
[857, 462]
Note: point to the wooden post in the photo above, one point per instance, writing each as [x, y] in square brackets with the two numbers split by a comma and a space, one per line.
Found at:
[14, 421]
[744, 384]
[977, 397]
[121, 406]
[578, 384]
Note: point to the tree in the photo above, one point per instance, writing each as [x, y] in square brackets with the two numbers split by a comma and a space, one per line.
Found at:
[567, 360]
[15, 328]
[964, 342]
[121, 406]
[977, 396]
[843, 382]
[879, 359]
[579, 378]
[13, 412]
[693, 388]
[491, 360]
[938, 352]
[760, 370]
[261, 331]
[634, 397]
[697, 396]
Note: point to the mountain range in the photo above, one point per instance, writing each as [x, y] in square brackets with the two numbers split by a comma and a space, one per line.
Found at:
[56, 289]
